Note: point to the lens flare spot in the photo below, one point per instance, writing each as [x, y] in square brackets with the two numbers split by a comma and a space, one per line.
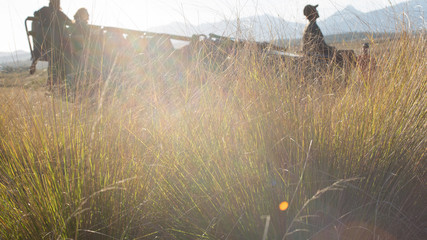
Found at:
[283, 206]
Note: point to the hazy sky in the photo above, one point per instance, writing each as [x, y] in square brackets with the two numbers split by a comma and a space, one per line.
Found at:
[143, 14]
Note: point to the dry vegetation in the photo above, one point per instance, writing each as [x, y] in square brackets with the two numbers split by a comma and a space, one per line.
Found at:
[204, 151]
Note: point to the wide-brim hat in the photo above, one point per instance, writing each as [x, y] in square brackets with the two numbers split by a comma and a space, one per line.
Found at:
[309, 9]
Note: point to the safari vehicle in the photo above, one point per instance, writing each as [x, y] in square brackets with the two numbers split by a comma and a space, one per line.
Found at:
[142, 42]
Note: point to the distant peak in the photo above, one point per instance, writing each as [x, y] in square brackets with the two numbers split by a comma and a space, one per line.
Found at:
[350, 8]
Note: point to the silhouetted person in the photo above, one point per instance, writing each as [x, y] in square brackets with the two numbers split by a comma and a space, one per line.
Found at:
[80, 32]
[313, 41]
[79, 46]
[53, 26]
[367, 63]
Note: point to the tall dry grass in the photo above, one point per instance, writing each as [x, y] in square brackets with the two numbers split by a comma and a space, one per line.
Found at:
[204, 151]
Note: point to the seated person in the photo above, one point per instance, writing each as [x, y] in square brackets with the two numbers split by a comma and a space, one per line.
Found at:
[367, 64]
[84, 46]
[313, 41]
[79, 32]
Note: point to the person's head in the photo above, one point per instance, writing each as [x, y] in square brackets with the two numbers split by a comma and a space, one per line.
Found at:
[82, 15]
[365, 48]
[56, 4]
[310, 12]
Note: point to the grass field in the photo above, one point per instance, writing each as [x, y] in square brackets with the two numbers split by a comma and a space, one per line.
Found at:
[209, 152]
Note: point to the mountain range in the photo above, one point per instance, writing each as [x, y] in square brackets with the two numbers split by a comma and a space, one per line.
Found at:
[14, 59]
[409, 16]
[17, 56]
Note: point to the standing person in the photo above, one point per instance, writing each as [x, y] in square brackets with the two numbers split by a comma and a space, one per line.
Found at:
[313, 41]
[367, 64]
[53, 25]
